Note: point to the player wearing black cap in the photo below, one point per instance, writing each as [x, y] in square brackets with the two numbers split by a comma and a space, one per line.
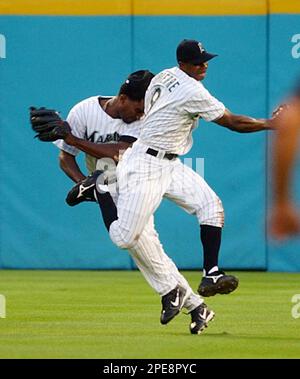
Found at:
[174, 102]
[101, 120]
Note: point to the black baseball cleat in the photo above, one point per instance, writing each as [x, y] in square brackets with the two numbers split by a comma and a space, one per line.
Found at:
[84, 190]
[200, 318]
[172, 303]
[217, 282]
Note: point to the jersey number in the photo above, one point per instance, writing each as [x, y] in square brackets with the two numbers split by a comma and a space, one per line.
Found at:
[155, 97]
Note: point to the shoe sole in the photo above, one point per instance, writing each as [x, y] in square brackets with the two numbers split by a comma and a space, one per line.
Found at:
[209, 318]
[224, 287]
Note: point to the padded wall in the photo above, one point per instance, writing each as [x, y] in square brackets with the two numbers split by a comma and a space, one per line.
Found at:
[63, 55]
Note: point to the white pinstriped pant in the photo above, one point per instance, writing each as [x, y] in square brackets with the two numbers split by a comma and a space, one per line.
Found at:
[143, 181]
[158, 269]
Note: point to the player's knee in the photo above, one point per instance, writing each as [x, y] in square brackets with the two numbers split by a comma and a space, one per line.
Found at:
[125, 243]
[122, 239]
[212, 213]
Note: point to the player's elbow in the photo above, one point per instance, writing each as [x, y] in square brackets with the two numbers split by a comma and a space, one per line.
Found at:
[230, 121]
[62, 159]
[65, 160]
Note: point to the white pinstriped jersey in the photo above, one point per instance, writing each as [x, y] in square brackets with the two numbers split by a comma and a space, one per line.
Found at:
[174, 103]
[90, 122]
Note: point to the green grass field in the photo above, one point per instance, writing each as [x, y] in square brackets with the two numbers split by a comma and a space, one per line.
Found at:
[114, 314]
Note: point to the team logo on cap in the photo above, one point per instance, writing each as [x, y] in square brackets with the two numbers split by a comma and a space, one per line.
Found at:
[201, 47]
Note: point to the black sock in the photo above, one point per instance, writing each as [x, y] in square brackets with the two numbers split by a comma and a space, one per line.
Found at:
[108, 208]
[211, 241]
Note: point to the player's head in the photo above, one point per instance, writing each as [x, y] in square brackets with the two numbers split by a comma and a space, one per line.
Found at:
[192, 58]
[132, 94]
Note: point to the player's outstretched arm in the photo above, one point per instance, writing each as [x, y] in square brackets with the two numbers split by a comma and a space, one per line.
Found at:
[50, 127]
[97, 150]
[242, 124]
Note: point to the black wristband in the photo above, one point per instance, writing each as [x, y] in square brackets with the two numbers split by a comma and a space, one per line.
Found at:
[128, 139]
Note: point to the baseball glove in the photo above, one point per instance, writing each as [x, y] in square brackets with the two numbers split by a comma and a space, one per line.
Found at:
[48, 124]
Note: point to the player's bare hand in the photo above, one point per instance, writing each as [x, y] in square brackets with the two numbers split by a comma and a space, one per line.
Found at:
[284, 221]
[278, 110]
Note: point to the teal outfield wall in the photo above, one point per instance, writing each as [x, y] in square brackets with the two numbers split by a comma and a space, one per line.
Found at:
[57, 61]
[284, 66]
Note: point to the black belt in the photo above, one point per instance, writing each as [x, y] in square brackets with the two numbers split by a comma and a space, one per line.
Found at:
[168, 156]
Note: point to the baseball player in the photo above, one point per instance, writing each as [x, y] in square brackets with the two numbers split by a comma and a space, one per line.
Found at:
[100, 125]
[151, 170]
[103, 120]
[285, 217]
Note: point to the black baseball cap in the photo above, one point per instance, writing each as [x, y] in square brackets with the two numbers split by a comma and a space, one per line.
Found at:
[192, 51]
[136, 84]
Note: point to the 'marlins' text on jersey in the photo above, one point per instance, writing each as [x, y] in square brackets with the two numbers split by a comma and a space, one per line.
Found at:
[107, 138]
